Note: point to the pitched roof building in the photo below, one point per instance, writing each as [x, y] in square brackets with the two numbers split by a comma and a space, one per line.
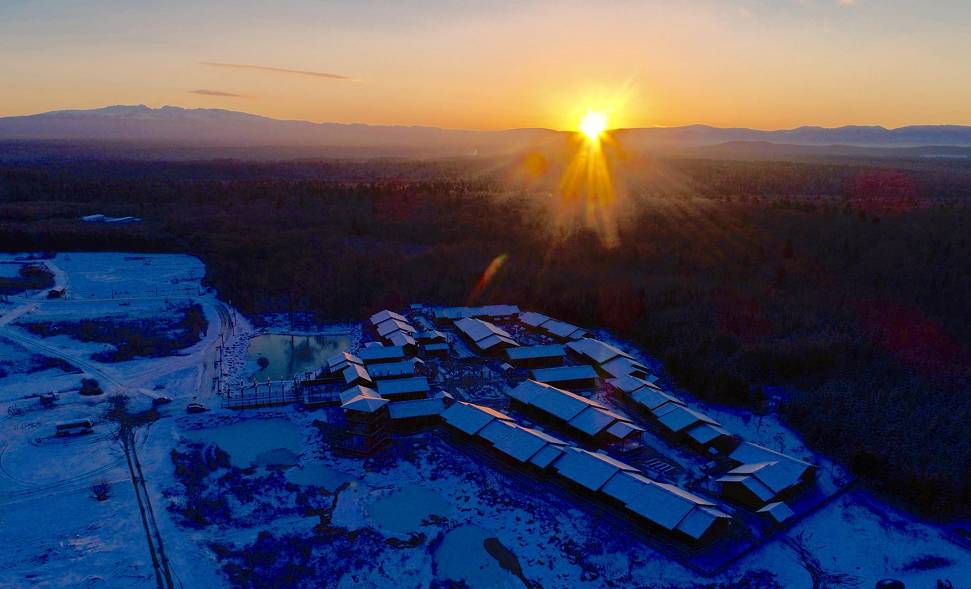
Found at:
[577, 377]
[763, 475]
[543, 355]
[488, 311]
[415, 387]
[659, 505]
[672, 416]
[385, 315]
[378, 354]
[586, 417]
[596, 351]
[485, 336]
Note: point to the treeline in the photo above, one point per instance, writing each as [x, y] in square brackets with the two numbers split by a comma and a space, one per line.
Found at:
[840, 288]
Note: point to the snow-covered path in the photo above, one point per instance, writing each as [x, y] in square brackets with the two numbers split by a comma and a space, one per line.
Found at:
[37, 469]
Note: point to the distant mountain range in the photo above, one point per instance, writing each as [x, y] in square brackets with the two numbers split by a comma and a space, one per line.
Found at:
[224, 128]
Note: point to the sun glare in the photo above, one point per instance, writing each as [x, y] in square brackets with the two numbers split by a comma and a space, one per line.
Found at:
[593, 124]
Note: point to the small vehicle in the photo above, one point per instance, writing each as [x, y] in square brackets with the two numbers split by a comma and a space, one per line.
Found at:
[48, 400]
[158, 401]
[195, 408]
[74, 428]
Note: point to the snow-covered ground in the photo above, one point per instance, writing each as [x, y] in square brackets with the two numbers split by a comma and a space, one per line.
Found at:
[426, 509]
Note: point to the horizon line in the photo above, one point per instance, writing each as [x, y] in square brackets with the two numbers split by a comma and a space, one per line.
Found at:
[492, 130]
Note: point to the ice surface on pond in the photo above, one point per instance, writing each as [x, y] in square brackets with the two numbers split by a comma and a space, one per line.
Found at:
[405, 510]
[318, 475]
[291, 355]
[463, 557]
[252, 442]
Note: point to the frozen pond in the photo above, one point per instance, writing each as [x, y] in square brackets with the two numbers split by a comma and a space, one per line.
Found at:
[266, 442]
[290, 355]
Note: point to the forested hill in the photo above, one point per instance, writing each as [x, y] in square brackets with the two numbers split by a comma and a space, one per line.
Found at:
[843, 283]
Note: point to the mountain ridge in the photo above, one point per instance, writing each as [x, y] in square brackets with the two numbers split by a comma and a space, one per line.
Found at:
[212, 126]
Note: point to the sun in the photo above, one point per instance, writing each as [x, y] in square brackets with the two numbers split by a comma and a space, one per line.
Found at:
[593, 124]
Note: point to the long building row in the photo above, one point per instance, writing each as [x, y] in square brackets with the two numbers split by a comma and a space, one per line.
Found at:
[658, 505]
[761, 478]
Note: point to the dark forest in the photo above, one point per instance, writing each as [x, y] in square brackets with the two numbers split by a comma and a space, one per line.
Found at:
[833, 292]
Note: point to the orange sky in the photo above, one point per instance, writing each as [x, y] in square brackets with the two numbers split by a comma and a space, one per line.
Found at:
[754, 63]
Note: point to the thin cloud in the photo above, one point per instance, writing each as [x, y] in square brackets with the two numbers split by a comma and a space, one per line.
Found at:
[276, 70]
[205, 92]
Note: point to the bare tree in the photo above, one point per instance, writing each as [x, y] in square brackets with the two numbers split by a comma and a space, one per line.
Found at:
[101, 490]
[822, 579]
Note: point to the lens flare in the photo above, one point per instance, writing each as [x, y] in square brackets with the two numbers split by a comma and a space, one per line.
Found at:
[490, 272]
[593, 124]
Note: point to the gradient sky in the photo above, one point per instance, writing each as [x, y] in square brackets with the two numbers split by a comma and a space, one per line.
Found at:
[498, 64]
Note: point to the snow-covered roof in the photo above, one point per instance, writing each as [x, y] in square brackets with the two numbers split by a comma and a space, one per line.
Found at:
[564, 330]
[622, 366]
[699, 520]
[484, 311]
[628, 384]
[652, 398]
[789, 470]
[512, 440]
[594, 420]
[476, 329]
[494, 340]
[416, 408]
[705, 433]
[665, 505]
[361, 399]
[403, 386]
[774, 476]
[585, 415]
[394, 369]
[588, 469]
[758, 489]
[676, 417]
[380, 353]
[354, 373]
[595, 350]
[470, 418]
[400, 339]
[747, 452]
[532, 319]
[533, 352]
[624, 429]
[357, 390]
[364, 404]
[338, 361]
[549, 454]
[391, 325]
[561, 404]
[778, 511]
[382, 316]
[564, 374]
[430, 335]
